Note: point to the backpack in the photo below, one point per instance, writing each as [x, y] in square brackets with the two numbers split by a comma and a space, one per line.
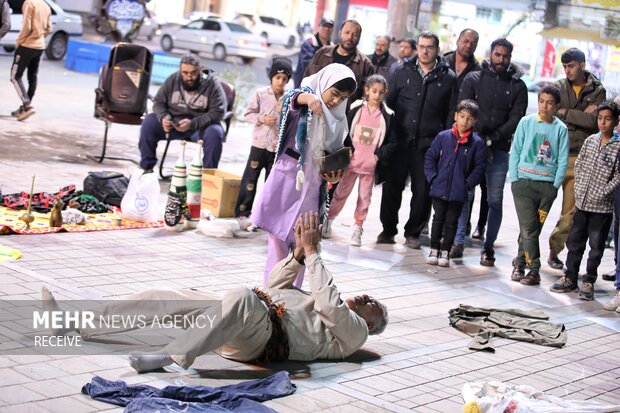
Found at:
[108, 187]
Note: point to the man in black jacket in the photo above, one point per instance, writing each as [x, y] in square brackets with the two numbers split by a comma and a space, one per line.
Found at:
[381, 59]
[422, 93]
[502, 98]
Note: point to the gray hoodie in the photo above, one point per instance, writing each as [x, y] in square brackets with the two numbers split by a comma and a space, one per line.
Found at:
[206, 106]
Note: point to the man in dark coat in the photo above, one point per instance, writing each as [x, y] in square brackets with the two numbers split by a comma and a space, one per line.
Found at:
[502, 98]
[381, 59]
[308, 48]
[422, 93]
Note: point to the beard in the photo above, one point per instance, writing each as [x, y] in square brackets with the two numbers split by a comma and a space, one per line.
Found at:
[499, 67]
[190, 86]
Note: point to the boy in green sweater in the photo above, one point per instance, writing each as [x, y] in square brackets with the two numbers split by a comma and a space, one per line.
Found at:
[537, 165]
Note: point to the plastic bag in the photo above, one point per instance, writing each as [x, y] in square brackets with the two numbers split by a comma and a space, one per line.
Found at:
[140, 200]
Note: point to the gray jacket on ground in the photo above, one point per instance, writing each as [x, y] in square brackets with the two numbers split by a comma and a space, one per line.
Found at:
[485, 323]
[5, 24]
[206, 106]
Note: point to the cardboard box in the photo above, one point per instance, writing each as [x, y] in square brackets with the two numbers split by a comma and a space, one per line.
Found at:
[219, 192]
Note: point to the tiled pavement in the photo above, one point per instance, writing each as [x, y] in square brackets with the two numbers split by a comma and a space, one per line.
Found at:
[419, 364]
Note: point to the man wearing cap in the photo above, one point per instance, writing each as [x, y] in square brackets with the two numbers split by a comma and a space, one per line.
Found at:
[190, 105]
[346, 53]
[381, 59]
[581, 92]
[308, 48]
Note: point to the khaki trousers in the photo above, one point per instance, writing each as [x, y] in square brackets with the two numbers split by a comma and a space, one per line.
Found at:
[557, 239]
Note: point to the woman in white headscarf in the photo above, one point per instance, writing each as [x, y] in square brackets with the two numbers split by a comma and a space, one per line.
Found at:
[312, 123]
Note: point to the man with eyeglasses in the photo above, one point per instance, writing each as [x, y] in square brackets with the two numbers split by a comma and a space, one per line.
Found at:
[422, 92]
[502, 98]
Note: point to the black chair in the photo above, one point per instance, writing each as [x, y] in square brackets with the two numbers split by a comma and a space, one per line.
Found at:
[122, 92]
[231, 95]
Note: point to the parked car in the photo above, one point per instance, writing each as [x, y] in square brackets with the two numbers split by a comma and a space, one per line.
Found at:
[270, 28]
[214, 35]
[64, 25]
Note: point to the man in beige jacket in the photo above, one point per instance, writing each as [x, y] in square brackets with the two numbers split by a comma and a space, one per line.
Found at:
[29, 47]
[280, 323]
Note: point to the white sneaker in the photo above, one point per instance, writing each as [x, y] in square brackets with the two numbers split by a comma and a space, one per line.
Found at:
[327, 229]
[433, 257]
[356, 238]
[444, 259]
[614, 303]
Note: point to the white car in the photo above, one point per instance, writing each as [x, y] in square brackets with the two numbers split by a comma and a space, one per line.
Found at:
[217, 36]
[270, 28]
[64, 25]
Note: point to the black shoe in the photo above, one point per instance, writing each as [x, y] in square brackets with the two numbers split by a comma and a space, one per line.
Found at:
[563, 285]
[532, 278]
[457, 251]
[609, 276]
[478, 233]
[487, 258]
[518, 273]
[413, 242]
[385, 239]
[555, 263]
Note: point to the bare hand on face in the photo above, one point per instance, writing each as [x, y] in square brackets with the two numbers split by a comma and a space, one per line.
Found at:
[183, 125]
[333, 176]
[310, 232]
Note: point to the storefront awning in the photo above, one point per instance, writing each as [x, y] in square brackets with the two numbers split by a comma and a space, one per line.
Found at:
[576, 34]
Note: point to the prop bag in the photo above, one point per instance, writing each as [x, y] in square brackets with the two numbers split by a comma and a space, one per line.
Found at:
[140, 200]
[107, 186]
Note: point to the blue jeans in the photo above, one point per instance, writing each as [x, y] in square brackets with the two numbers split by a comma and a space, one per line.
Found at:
[462, 224]
[496, 179]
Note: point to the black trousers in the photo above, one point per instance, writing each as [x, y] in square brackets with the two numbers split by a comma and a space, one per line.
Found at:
[593, 227]
[406, 161]
[25, 58]
[445, 221]
[258, 159]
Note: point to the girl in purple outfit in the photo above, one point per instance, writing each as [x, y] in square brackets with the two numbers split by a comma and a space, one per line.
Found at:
[312, 123]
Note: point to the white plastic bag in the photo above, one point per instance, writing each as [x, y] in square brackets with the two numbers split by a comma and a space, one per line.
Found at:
[140, 200]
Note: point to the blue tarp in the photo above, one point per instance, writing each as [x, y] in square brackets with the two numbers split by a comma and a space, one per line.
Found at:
[242, 397]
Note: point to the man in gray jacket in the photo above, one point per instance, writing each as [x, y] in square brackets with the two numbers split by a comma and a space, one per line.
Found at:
[189, 105]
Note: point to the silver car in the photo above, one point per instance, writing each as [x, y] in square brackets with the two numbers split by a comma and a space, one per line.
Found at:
[64, 25]
[216, 36]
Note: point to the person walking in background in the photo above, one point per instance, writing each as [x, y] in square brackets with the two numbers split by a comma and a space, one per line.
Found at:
[370, 134]
[502, 98]
[454, 165]
[581, 93]
[263, 112]
[5, 22]
[538, 162]
[597, 176]
[381, 59]
[421, 92]
[29, 45]
[309, 47]
[312, 121]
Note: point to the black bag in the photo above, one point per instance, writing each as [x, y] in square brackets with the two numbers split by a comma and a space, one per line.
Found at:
[108, 187]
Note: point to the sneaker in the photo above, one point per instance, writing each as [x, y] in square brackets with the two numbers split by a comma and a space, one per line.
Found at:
[614, 303]
[413, 242]
[433, 257]
[327, 228]
[385, 239]
[444, 259]
[563, 285]
[531, 278]
[518, 273]
[487, 258]
[586, 292]
[478, 233]
[555, 263]
[356, 238]
[609, 276]
[457, 251]
[17, 111]
[24, 112]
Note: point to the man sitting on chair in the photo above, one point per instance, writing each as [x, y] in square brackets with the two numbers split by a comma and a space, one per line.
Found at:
[189, 105]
